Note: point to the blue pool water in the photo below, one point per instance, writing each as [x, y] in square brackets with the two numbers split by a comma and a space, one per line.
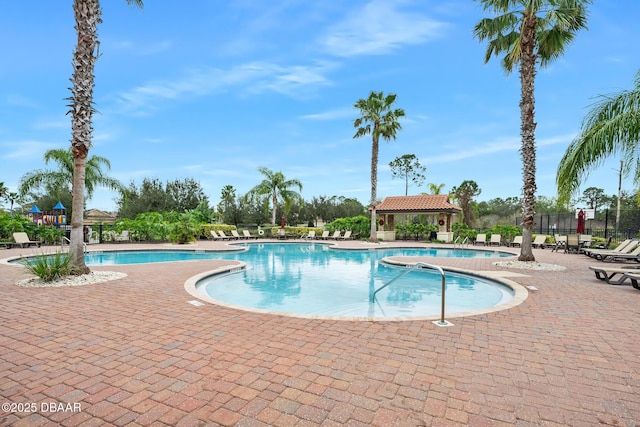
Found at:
[311, 279]
[141, 257]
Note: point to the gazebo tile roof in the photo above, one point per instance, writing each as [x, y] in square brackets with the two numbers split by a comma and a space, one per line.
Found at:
[423, 203]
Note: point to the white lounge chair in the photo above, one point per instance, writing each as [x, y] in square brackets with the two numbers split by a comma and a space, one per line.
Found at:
[223, 235]
[347, 235]
[517, 241]
[248, 235]
[235, 235]
[540, 241]
[22, 239]
[336, 235]
[310, 235]
[608, 273]
[481, 239]
[325, 235]
[496, 239]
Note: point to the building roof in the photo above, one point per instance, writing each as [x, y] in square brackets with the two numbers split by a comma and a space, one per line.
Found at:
[432, 203]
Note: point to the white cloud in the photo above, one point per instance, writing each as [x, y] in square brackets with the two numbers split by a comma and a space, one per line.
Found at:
[26, 149]
[337, 114]
[256, 77]
[379, 28]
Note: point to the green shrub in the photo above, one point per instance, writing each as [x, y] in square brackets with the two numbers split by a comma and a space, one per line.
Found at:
[359, 225]
[184, 230]
[49, 267]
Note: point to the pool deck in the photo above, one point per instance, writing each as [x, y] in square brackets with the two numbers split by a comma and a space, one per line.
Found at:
[135, 351]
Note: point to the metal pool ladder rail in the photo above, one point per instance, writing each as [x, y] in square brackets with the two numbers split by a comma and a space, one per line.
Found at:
[64, 238]
[441, 322]
[461, 244]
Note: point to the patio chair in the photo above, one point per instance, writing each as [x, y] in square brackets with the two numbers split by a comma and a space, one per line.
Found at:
[325, 235]
[517, 241]
[248, 235]
[573, 244]
[310, 235]
[281, 234]
[481, 239]
[336, 235]
[540, 241]
[560, 242]
[608, 274]
[496, 239]
[22, 239]
[235, 235]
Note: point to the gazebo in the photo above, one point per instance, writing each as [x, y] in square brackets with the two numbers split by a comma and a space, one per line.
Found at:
[437, 207]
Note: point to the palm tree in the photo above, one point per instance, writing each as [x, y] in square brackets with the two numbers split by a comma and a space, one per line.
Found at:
[4, 190]
[378, 120]
[528, 32]
[277, 186]
[612, 126]
[59, 179]
[87, 16]
[435, 188]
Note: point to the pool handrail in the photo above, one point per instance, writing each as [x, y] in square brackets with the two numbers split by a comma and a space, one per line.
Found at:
[413, 267]
[63, 238]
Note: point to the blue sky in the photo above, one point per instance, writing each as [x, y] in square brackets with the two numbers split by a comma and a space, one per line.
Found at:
[212, 90]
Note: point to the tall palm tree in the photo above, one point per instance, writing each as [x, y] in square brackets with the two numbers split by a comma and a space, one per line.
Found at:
[59, 179]
[378, 119]
[612, 126]
[4, 190]
[529, 32]
[277, 186]
[87, 16]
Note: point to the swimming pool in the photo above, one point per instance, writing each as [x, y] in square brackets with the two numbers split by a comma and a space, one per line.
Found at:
[151, 256]
[312, 280]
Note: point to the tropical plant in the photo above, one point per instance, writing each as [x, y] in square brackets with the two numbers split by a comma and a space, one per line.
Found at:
[185, 230]
[359, 225]
[529, 32]
[48, 267]
[10, 224]
[408, 167]
[435, 188]
[4, 190]
[87, 17]
[612, 126]
[379, 120]
[464, 194]
[57, 181]
[276, 185]
[13, 197]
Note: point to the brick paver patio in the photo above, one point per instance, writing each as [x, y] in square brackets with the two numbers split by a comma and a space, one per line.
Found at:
[135, 352]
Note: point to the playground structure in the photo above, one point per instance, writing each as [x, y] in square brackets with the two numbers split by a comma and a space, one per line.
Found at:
[57, 217]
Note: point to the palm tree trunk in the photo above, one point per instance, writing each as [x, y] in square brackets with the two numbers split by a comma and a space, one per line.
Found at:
[374, 186]
[275, 205]
[87, 15]
[527, 131]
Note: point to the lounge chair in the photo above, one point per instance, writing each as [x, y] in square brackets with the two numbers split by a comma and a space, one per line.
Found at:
[585, 241]
[310, 235]
[481, 239]
[223, 235]
[634, 277]
[540, 241]
[608, 273]
[22, 239]
[248, 235]
[336, 235]
[495, 239]
[281, 234]
[347, 235]
[634, 255]
[628, 245]
[235, 235]
[325, 235]
[517, 241]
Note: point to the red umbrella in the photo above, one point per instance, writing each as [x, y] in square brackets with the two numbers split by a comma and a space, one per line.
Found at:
[580, 228]
[282, 223]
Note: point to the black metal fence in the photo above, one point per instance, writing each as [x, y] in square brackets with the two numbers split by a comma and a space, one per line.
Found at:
[603, 225]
